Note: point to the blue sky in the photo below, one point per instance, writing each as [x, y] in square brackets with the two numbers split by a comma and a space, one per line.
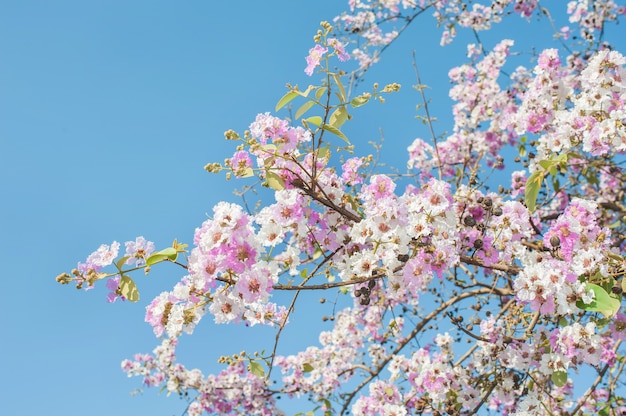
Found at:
[108, 112]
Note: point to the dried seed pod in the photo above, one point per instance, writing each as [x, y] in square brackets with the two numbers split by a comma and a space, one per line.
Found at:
[555, 241]
[469, 221]
[478, 244]
[497, 211]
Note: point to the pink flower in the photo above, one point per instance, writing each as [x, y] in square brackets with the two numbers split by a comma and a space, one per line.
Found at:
[314, 58]
[381, 186]
[240, 163]
[112, 284]
[100, 258]
[351, 171]
[339, 49]
[138, 251]
[253, 286]
[549, 60]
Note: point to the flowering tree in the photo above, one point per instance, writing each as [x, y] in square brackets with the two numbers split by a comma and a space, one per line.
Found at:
[526, 279]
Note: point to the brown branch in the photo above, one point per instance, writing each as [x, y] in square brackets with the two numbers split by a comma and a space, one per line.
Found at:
[326, 202]
[325, 286]
[507, 268]
[483, 399]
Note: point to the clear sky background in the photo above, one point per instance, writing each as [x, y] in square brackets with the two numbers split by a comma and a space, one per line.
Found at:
[108, 112]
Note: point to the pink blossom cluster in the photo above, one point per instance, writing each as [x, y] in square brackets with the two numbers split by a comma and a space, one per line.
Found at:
[580, 241]
[366, 18]
[493, 230]
[316, 54]
[99, 259]
[570, 347]
[418, 224]
[226, 273]
[550, 283]
[592, 16]
[576, 111]
[234, 391]
[321, 370]
[376, 23]
[88, 272]
[277, 146]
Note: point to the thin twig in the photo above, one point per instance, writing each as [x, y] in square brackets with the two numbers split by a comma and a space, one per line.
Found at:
[428, 118]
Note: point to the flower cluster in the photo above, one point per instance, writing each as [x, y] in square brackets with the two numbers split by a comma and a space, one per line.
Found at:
[233, 391]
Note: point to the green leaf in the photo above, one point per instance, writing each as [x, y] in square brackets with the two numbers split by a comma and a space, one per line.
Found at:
[270, 149]
[303, 273]
[623, 284]
[562, 158]
[304, 108]
[128, 289]
[256, 368]
[553, 170]
[327, 406]
[315, 120]
[336, 132]
[323, 152]
[247, 173]
[546, 164]
[533, 185]
[169, 253]
[559, 378]
[274, 181]
[286, 99]
[320, 91]
[603, 302]
[592, 178]
[307, 368]
[359, 101]
[342, 90]
[120, 263]
[522, 150]
[338, 117]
